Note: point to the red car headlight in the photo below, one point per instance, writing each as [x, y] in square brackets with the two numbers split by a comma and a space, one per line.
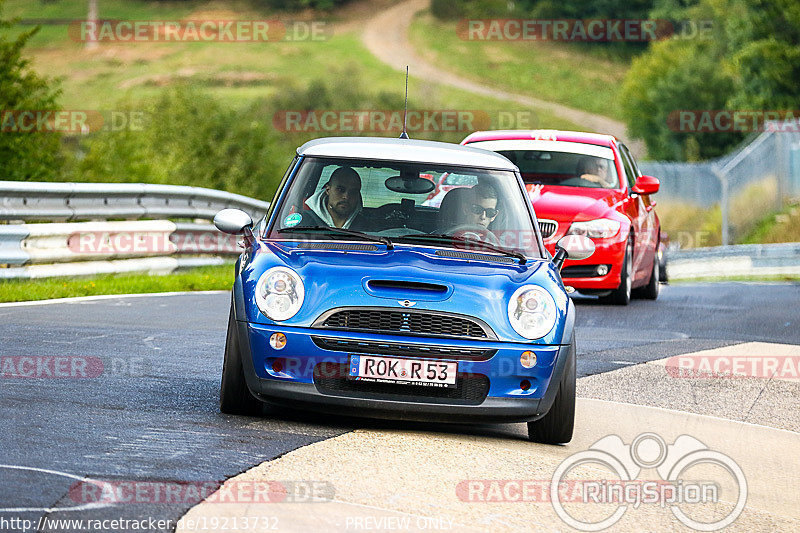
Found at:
[601, 228]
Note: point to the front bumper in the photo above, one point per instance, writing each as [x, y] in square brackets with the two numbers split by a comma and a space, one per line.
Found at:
[311, 375]
[607, 252]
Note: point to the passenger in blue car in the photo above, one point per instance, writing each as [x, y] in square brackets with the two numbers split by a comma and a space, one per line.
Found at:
[339, 202]
[483, 211]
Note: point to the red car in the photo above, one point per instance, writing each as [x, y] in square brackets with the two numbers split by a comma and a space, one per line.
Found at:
[589, 184]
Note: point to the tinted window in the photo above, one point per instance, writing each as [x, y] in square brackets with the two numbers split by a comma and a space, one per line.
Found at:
[629, 169]
[564, 168]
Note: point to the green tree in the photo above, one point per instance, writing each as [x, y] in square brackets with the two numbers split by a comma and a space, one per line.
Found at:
[765, 39]
[675, 76]
[25, 155]
[750, 62]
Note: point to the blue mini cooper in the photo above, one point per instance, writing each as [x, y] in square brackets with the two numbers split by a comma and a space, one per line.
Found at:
[362, 293]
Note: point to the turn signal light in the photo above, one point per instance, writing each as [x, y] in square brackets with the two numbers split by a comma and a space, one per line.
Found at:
[277, 341]
[527, 359]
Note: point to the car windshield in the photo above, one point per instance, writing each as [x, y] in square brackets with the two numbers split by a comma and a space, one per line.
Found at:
[401, 202]
[564, 168]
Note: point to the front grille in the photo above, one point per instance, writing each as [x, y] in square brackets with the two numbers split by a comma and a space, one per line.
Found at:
[581, 271]
[548, 227]
[400, 349]
[331, 379]
[393, 321]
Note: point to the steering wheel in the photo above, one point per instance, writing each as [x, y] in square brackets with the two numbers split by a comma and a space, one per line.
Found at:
[391, 213]
[476, 232]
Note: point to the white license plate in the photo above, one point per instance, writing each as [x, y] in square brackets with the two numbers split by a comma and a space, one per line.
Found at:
[403, 371]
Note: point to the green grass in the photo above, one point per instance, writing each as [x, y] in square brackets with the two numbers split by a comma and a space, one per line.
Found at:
[60, 10]
[783, 226]
[198, 279]
[99, 80]
[558, 72]
[753, 219]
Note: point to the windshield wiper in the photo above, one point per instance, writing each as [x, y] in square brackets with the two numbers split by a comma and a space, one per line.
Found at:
[339, 231]
[440, 237]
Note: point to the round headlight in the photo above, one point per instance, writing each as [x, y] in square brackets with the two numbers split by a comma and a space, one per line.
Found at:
[279, 293]
[532, 311]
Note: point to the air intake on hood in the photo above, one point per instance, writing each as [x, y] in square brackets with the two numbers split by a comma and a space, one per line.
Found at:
[377, 284]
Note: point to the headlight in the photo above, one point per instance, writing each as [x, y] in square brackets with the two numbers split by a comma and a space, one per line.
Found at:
[279, 293]
[600, 228]
[532, 311]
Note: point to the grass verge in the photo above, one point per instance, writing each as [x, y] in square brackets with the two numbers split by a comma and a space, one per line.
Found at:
[198, 279]
[550, 71]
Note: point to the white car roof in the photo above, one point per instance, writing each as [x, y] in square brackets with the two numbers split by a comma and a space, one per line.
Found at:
[389, 149]
[547, 146]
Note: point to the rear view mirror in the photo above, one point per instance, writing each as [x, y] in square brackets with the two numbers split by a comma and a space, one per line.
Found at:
[575, 247]
[646, 185]
[409, 185]
[235, 222]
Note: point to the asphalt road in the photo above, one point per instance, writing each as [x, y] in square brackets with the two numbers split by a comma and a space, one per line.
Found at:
[151, 414]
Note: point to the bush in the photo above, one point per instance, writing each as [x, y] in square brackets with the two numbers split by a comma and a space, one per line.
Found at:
[190, 138]
[34, 155]
[447, 9]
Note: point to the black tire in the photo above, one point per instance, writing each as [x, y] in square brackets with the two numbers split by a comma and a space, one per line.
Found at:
[662, 265]
[622, 294]
[234, 396]
[557, 425]
[653, 287]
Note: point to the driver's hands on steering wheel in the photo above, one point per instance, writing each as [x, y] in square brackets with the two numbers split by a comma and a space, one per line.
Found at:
[475, 232]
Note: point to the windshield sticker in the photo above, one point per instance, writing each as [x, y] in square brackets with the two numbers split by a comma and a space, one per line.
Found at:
[292, 220]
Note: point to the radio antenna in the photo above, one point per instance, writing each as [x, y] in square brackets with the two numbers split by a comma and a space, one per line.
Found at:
[404, 135]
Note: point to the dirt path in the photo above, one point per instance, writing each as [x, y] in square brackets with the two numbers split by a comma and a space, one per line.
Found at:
[386, 36]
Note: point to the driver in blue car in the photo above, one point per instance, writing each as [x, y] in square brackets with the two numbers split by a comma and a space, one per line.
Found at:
[339, 203]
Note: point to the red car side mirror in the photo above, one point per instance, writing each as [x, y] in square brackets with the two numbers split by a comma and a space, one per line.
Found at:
[646, 185]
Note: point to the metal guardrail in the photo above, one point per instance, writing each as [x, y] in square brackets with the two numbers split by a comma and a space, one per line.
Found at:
[77, 248]
[732, 261]
[113, 238]
[40, 201]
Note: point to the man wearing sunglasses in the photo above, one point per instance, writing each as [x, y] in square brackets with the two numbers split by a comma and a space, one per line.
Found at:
[483, 209]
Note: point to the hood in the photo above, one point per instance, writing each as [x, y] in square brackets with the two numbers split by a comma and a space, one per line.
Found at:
[409, 277]
[572, 203]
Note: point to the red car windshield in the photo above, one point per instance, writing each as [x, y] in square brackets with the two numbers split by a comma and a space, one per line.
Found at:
[564, 168]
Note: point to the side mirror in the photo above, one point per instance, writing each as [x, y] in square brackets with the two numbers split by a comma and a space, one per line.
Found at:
[235, 222]
[573, 246]
[646, 185]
